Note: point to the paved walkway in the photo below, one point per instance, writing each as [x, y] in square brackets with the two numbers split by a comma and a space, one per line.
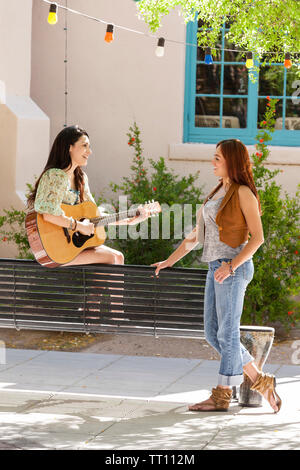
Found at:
[64, 400]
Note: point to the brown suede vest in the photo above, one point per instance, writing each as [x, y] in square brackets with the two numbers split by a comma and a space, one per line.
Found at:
[233, 229]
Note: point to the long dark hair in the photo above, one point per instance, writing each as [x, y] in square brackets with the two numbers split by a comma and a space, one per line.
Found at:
[59, 157]
[239, 166]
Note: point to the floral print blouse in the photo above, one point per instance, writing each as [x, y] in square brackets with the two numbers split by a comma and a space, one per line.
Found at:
[54, 189]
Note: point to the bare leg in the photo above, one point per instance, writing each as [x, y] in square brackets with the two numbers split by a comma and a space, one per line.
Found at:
[102, 255]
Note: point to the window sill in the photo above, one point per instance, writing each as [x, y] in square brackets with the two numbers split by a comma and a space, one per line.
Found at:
[199, 152]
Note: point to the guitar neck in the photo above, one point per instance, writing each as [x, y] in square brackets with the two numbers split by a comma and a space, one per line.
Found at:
[114, 217]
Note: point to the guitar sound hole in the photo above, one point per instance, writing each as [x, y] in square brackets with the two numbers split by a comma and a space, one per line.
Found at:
[79, 239]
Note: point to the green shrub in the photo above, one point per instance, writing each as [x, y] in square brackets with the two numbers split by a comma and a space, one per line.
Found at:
[268, 297]
[12, 230]
[161, 184]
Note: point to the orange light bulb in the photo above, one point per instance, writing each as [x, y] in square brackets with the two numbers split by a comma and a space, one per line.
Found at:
[109, 37]
[287, 61]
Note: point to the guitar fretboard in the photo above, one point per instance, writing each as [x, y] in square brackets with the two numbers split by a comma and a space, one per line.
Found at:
[114, 217]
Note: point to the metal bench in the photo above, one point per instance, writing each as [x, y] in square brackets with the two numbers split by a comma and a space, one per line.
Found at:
[102, 299]
[115, 299]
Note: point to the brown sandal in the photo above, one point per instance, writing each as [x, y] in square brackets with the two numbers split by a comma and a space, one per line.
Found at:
[221, 398]
[267, 383]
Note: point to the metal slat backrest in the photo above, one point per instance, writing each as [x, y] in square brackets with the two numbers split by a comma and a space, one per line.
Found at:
[102, 299]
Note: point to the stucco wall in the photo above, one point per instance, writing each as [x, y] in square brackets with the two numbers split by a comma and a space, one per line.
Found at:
[111, 85]
[24, 128]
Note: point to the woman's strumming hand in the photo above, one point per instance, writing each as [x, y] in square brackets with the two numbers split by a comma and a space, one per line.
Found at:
[86, 227]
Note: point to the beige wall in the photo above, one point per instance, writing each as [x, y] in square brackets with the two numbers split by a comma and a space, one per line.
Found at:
[24, 128]
[111, 85]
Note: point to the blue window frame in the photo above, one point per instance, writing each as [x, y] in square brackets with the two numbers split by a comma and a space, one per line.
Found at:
[221, 101]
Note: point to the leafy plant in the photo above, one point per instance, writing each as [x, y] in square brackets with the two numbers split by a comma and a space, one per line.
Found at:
[12, 230]
[255, 25]
[172, 192]
[276, 279]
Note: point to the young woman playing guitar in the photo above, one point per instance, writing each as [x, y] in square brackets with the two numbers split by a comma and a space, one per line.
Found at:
[64, 181]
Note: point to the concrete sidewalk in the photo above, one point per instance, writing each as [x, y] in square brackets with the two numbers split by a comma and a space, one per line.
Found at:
[64, 400]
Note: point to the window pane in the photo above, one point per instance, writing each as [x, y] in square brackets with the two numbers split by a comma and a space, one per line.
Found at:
[230, 56]
[235, 80]
[234, 113]
[271, 80]
[292, 78]
[208, 79]
[262, 109]
[292, 120]
[207, 112]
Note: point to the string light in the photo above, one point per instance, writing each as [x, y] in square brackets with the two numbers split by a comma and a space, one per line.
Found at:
[52, 17]
[147, 34]
[287, 60]
[109, 37]
[249, 61]
[208, 57]
[160, 48]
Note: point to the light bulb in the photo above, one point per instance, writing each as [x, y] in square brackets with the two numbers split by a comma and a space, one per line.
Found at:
[249, 61]
[208, 57]
[109, 33]
[287, 60]
[160, 49]
[52, 17]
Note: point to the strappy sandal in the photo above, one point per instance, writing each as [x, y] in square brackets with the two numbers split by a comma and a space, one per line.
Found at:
[221, 398]
[267, 383]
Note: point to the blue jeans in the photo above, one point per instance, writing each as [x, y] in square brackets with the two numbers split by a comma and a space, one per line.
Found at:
[223, 307]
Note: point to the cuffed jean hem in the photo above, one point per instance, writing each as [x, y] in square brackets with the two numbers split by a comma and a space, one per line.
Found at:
[230, 380]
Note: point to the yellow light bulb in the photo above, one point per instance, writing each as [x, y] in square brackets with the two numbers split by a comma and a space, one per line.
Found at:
[249, 61]
[52, 17]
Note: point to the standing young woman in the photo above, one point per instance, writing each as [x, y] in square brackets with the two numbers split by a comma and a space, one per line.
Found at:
[64, 181]
[230, 212]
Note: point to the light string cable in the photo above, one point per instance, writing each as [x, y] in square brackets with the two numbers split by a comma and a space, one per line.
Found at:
[152, 36]
[66, 65]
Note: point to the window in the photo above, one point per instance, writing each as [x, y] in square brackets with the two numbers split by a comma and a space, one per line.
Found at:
[222, 102]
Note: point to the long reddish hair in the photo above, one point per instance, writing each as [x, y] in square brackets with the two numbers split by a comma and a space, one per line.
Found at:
[239, 166]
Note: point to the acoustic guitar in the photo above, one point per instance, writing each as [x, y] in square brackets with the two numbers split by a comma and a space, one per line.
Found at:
[54, 246]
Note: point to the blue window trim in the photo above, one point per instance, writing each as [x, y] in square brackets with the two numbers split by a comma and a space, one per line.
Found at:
[289, 138]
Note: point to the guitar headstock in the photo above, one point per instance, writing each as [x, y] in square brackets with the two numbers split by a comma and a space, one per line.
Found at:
[152, 208]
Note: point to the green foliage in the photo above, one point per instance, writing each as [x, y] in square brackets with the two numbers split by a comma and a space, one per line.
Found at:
[158, 183]
[255, 25]
[12, 230]
[276, 279]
